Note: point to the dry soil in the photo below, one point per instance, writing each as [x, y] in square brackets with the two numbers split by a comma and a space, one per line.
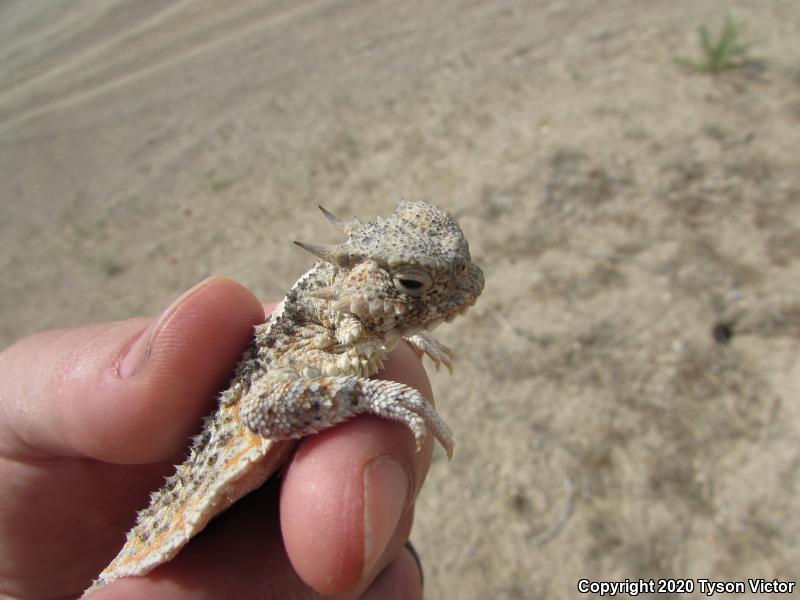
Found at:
[626, 402]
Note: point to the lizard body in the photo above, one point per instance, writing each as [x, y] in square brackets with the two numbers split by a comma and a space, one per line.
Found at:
[309, 366]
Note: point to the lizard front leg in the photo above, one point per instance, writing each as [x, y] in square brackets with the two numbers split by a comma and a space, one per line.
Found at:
[279, 409]
[348, 329]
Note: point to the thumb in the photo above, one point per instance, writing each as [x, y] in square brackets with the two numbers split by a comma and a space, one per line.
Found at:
[125, 392]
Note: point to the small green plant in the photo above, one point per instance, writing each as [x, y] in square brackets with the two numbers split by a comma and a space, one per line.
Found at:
[110, 267]
[217, 184]
[726, 52]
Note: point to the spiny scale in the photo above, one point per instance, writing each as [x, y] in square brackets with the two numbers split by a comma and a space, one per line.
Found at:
[308, 368]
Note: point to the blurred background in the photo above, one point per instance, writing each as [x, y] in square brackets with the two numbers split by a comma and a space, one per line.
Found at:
[627, 174]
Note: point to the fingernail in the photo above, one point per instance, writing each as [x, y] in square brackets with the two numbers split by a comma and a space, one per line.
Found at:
[140, 350]
[386, 488]
[413, 552]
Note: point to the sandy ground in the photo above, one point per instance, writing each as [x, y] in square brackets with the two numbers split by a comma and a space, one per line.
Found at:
[621, 206]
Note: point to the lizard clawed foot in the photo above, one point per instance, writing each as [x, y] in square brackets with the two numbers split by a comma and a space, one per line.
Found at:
[423, 342]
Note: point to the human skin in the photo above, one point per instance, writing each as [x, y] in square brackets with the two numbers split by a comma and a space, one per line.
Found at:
[92, 419]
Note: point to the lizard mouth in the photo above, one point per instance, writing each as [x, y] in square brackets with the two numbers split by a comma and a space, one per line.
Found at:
[460, 311]
[449, 318]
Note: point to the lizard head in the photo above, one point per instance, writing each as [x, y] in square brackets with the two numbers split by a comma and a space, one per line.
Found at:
[407, 272]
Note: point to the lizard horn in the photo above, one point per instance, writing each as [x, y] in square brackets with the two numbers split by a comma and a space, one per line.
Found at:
[334, 255]
[346, 226]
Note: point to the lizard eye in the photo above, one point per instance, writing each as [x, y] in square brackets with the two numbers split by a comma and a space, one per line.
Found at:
[413, 282]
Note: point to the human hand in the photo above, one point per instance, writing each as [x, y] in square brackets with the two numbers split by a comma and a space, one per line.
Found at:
[92, 418]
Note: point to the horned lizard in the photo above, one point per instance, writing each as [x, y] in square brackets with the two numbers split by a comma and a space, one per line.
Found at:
[308, 368]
